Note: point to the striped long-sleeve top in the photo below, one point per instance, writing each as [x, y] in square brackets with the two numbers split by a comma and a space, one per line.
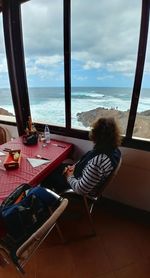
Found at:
[96, 170]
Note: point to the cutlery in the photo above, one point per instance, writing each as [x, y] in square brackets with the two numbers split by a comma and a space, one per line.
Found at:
[7, 150]
[41, 157]
[57, 145]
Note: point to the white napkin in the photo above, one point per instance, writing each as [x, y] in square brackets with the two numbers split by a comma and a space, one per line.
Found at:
[1, 153]
[37, 162]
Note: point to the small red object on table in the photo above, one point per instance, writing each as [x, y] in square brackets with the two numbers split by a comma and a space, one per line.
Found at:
[12, 160]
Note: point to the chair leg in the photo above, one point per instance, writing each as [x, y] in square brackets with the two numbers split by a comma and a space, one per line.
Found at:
[58, 229]
[20, 270]
[60, 233]
[89, 215]
[3, 261]
[91, 208]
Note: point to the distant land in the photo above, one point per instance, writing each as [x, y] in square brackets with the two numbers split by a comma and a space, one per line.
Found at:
[142, 124]
[5, 112]
[141, 128]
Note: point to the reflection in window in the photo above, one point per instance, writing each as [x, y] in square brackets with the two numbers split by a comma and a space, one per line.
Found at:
[104, 51]
[6, 104]
[43, 42]
[142, 123]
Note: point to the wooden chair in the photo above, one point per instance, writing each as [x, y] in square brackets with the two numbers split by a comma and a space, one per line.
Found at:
[89, 201]
[26, 250]
[3, 135]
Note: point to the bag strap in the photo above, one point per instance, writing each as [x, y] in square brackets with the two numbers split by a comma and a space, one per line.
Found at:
[16, 195]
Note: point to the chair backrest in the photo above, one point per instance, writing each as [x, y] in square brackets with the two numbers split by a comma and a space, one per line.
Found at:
[25, 251]
[3, 136]
[31, 244]
[109, 179]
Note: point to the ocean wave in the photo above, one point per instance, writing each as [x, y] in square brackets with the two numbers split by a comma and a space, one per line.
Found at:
[87, 96]
[48, 104]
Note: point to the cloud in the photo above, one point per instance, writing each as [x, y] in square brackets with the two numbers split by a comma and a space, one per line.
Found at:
[80, 78]
[92, 65]
[49, 60]
[43, 27]
[43, 67]
[147, 68]
[3, 64]
[104, 37]
[100, 29]
[126, 67]
[105, 77]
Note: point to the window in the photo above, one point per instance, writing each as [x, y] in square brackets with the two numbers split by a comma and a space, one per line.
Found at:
[106, 64]
[43, 42]
[105, 38]
[6, 104]
[142, 123]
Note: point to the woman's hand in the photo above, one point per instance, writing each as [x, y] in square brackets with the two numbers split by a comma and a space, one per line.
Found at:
[68, 171]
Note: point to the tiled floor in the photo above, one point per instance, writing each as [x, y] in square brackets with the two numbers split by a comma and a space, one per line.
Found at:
[120, 249]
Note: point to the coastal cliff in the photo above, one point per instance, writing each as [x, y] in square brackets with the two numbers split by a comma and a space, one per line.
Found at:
[5, 112]
[142, 124]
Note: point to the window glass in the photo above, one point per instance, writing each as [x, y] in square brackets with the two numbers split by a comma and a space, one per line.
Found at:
[105, 38]
[142, 123]
[43, 42]
[6, 104]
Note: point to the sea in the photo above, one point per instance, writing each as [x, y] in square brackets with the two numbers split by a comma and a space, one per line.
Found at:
[48, 106]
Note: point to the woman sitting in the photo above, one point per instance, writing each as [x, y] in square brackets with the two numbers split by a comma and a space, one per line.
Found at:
[95, 166]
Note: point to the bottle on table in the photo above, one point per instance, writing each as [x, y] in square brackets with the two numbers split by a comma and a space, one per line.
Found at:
[47, 134]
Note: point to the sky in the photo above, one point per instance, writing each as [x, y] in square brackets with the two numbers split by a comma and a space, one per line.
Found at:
[104, 43]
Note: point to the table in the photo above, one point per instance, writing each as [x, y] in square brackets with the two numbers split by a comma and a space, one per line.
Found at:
[56, 151]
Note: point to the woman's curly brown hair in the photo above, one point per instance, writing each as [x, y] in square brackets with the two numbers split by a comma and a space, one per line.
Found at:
[105, 134]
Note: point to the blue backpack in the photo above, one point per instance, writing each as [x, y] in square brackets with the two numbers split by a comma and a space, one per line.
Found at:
[24, 211]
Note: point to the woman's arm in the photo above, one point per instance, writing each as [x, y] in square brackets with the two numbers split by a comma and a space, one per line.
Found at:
[98, 167]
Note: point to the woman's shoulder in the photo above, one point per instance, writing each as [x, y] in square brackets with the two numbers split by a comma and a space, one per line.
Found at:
[100, 158]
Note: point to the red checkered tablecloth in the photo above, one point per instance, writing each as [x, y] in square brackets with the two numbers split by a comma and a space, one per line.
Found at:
[55, 151]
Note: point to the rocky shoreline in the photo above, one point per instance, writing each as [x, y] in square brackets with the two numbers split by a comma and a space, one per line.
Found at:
[5, 112]
[142, 124]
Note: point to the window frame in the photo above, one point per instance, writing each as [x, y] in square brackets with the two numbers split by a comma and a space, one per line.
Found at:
[16, 67]
[15, 60]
